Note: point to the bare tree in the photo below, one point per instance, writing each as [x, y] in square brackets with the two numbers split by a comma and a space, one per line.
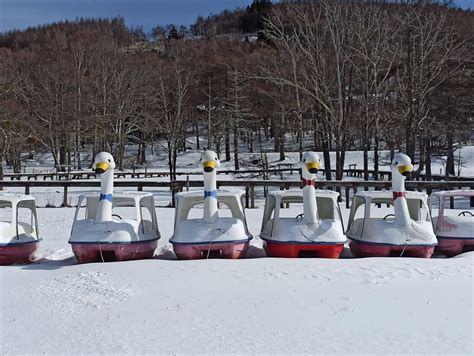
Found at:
[428, 58]
[170, 89]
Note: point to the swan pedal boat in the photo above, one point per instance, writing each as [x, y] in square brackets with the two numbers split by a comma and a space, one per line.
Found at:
[295, 237]
[380, 237]
[19, 239]
[120, 239]
[195, 238]
[454, 230]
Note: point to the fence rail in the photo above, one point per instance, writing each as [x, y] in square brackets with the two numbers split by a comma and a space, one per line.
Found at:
[146, 173]
[250, 186]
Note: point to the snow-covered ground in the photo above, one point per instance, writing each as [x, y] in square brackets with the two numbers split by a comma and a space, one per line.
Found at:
[189, 161]
[255, 305]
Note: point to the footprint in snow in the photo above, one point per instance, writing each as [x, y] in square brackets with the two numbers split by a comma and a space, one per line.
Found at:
[78, 291]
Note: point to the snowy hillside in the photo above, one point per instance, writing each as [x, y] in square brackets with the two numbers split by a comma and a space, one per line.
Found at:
[189, 161]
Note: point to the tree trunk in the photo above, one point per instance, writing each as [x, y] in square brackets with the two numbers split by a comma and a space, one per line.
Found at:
[227, 144]
[422, 146]
[340, 157]
[218, 147]
[62, 155]
[376, 155]
[197, 136]
[175, 157]
[170, 159]
[450, 158]
[366, 160]
[326, 150]
[236, 148]
[428, 159]
[281, 144]
[209, 118]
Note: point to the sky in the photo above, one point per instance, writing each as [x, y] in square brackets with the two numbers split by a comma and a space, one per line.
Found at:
[20, 14]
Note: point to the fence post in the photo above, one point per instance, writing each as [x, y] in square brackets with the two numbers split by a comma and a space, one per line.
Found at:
[173, 193]
[65, 197]
[252, 196]
[247, 193]
[347, 196]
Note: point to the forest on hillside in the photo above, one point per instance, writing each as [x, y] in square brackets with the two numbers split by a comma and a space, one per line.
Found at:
[342, 75]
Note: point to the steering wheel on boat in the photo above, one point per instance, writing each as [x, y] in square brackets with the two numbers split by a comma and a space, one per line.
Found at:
[117, 216]
[391, 216]
[299, 216]
[463, 213]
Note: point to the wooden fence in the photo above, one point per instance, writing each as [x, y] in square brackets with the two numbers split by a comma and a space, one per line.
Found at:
[250, 186]
[146, 173]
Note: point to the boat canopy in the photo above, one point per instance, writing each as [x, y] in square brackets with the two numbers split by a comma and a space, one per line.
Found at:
[20, 225]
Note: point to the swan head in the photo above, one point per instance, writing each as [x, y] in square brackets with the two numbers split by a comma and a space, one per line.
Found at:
[310, 162]
[103, 162]
[210, 161]
[401, 165]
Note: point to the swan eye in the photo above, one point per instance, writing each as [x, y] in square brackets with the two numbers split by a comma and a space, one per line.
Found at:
[216, 158]
[110, 161]
[396, 163]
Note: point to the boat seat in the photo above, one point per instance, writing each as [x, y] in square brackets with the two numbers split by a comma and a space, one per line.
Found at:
[325, 208]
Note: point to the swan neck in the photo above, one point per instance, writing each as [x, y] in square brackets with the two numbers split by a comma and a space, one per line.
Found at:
[402, 214]
[104, 208]
[310, 208]
[210, 213]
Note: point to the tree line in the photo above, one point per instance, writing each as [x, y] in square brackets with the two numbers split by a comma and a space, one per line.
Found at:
[323, 75]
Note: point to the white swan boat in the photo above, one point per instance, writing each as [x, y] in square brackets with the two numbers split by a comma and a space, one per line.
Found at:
[114, 227]
[405, 231]
[211, 235]
[318, 232]
[19, 239]
[454, 226]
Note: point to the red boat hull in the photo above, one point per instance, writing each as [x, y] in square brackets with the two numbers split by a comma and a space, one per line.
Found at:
[453, 247]
[294, 250]
[380, 250]
[113, 252]
[231, 250]
[19, 253]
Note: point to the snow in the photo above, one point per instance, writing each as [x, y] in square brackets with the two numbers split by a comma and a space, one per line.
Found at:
[189, 161]
[254, 305]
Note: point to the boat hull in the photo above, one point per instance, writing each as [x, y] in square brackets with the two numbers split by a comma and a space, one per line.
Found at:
[294, 250]
[191, 251]
[452, 247]
[361, 249]
[100, 252]
[18, 253]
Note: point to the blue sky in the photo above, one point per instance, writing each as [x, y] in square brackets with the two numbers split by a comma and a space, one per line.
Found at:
[23, 13]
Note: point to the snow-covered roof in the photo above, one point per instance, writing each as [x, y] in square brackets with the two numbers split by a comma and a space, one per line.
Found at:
[15, 198]
[299, 193]
[200, 194]
[388, 194]
[122, 195]
[455, 193]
